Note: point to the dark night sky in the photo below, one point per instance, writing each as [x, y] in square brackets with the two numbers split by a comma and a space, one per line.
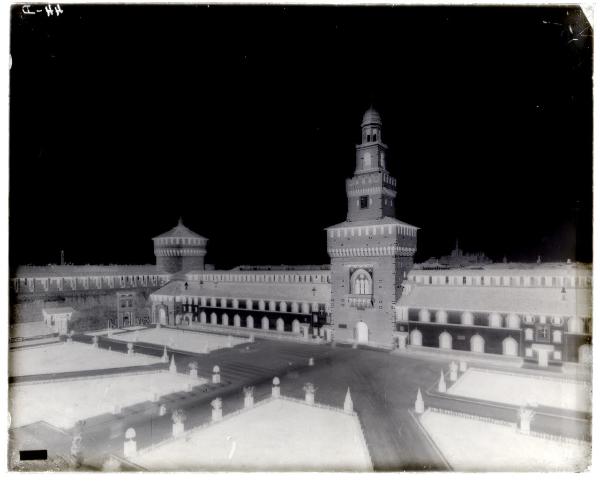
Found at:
[243, 120]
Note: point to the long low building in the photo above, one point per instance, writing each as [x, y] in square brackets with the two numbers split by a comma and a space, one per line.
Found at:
[541, 312]
[244, 298]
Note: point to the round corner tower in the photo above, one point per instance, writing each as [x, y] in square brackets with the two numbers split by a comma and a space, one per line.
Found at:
[179, 249]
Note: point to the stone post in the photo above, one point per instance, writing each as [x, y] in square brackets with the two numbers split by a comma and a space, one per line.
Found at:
[309, 393]
[453, 371]
[348, 404]
[442, 383]
[419, 404]
[95, 341]
[217, 411]
[129, 349]
[172, 366]
[275, 389]
[165, 356]
[178, 418]
[130, 446]
[216, 377]
[463, 365]
[248, 397]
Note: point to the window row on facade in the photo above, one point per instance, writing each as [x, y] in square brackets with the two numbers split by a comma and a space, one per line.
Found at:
[84, 283]
[499, 320]
[317, 278]
[504, 281]
[170, 241]
[302, 307]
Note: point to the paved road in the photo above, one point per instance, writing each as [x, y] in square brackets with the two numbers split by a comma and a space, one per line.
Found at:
[383, 388]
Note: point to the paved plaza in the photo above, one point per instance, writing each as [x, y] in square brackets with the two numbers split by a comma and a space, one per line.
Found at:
[383, 388]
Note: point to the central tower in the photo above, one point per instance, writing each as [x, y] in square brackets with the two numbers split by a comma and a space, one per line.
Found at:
[372, 251]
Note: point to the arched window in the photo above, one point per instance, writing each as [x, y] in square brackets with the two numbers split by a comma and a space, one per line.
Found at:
[361, 282]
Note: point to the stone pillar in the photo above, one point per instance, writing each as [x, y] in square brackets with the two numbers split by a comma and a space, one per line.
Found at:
[265, 323]
[130, 446]
[217, 411]
[348, 404]
[129, 349]
[216, 377]
[453, 371]
[249, 396]
[178, 418]
[237, 321]
[419, 404]
[463, 365]
[275, 390]
[280, 325]
[442, 383]
[309, 393]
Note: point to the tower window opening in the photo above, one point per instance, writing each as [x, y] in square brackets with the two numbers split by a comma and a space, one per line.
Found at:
[364, 201]
[374, 137]
[368, 138]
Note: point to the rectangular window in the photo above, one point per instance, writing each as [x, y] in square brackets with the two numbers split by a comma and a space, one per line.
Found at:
[364, 201]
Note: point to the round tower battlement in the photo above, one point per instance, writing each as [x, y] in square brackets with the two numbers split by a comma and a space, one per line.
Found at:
[180, 249]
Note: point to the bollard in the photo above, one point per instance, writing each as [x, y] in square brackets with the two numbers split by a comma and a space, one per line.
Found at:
[453, 371]
[442, 383]
[419, 404]
[130, 446]
[248, 397]
[348, 404]
[217, 411]
[276, 389]
[216, 377]
[309, 393]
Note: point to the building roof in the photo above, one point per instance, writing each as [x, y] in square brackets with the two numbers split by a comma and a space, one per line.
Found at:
[371, 116]
[532, 300]
[510, 269]
[85, 270]
[361, 223]
[180, 231]
[305, 292]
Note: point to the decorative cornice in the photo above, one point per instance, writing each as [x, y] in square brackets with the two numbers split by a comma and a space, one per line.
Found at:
[372, 251]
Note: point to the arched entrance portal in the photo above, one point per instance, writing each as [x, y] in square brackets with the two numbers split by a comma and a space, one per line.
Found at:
[510, 347]
[361, 332]
[477, 343]
[416, 338]
[445, 340]
[162, 315]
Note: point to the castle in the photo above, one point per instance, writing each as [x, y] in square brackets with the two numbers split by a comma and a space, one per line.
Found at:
[370, 294]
